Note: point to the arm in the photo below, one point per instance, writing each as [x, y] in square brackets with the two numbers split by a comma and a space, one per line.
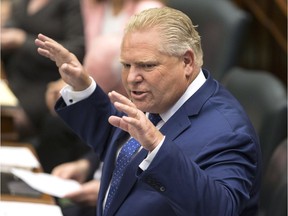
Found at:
[212, 182]
[73, 73]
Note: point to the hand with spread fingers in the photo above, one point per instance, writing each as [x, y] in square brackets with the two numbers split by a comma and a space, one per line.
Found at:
[71, 70]
[135, 123]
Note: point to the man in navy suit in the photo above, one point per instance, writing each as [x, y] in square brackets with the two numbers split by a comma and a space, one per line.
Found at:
[201, 159]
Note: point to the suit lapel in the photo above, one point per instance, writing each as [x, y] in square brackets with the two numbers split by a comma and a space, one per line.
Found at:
[181, 119]
[175, 125]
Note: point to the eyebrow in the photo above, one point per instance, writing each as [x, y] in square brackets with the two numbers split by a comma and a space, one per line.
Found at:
[154, 61]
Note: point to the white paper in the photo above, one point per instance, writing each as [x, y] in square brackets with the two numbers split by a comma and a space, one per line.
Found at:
[8, 208]
[13, 156]
[7, 98]
[47, 183]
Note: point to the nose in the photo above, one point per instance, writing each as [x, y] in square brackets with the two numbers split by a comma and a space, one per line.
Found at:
[134, 75]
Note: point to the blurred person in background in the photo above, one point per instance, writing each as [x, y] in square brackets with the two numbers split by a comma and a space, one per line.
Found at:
[27, 73]
[87, 171]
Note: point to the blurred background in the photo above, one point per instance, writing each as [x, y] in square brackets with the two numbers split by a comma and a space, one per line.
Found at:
[245, 48]
[266, 46]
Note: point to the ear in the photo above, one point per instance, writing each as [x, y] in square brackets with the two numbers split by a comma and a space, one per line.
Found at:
[189, 62]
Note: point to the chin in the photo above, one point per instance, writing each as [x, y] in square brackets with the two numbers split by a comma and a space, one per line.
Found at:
[141, 107]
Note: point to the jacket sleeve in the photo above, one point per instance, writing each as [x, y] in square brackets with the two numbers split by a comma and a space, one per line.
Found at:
[89, 119]
[217, 181]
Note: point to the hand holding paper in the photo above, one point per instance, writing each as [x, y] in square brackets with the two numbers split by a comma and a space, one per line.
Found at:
[47, 183]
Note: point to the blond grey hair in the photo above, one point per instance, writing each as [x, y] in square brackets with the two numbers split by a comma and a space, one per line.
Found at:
[178, 34]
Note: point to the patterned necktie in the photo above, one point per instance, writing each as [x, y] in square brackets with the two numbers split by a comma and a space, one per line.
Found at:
[124, 157]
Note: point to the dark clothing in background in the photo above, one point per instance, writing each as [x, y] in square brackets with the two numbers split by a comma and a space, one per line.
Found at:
[27, 72]
[58, 144]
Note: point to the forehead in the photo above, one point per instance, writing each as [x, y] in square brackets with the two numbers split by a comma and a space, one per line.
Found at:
[138, 43]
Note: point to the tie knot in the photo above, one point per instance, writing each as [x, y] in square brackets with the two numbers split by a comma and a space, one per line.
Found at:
[154, 118]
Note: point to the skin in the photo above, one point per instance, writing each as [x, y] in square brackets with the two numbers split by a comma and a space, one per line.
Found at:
[52, 94]
[87, 194]
[154, 81]
[12, 38]
[78, 170]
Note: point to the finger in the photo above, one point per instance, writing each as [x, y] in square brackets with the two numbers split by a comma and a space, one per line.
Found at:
[59, 173]
[44, 52]
[74, 195]
[134, 118]
[123, 104]
[131, 111]
[43, 38]
[52, 49]
[115, 96]
[70, 71]
[118, 122]
[56, 49]
[48, 44]
[44, 49]
[55, 172]
[39, 43]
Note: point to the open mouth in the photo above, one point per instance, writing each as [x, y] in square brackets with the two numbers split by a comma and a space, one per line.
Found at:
[138, 95]
[137, 92]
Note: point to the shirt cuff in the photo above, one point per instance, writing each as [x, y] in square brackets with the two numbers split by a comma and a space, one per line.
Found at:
[148, 160]
[70, 96]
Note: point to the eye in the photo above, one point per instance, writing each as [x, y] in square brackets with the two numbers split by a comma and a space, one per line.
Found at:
[147, 67]
[126, 66]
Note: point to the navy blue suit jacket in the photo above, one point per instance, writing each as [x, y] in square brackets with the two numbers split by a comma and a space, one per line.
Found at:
[209, 163]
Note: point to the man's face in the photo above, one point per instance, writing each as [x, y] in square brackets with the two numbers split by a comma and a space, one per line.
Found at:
[153, 81]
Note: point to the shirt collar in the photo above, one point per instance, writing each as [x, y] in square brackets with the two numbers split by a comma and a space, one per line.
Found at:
[192, 88]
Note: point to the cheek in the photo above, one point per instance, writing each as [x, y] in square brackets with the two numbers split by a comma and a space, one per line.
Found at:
[173, 85]
[162, 89]
[175, 79]
[124, 78]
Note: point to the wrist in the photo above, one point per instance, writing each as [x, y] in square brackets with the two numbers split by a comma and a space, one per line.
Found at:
[84, 83]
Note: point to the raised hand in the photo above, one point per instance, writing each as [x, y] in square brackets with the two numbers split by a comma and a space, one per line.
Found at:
[55, 51]
[71, 70]
[135, 123]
